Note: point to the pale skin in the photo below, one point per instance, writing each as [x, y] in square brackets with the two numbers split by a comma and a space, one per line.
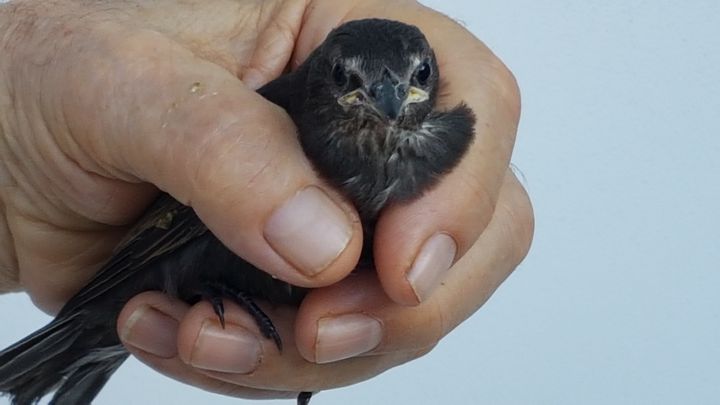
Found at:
[102, 103]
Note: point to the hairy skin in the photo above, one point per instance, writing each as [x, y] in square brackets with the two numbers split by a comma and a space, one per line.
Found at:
[83, 196]
[79, 152]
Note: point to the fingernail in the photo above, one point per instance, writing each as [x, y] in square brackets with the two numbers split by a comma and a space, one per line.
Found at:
[309, 231]
[346, 336]
[151, 331]
[253, 79]
[230, 350]
[431, 264]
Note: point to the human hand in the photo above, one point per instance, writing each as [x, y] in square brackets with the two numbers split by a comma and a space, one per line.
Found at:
[103, 104]
[101, 148]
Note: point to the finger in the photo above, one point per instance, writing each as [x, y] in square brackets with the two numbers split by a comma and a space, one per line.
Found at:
[192, 129]
[238, 353]
[188, 344]
[319, 19]
[416, 244]
[337, 322]
[413, 255]
[254, 40]
[67, 261]
[275, 43]
[64, 218]
[338, 314]
[148, 327]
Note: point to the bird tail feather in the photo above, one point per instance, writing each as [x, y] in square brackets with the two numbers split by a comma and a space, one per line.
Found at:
[56, 357]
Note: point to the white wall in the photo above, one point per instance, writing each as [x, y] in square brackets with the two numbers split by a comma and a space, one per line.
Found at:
[618, 301]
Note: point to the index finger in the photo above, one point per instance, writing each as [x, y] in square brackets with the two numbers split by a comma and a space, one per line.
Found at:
[191, 128]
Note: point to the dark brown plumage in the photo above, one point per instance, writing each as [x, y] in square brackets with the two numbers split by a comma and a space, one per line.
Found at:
[363, 104]
[373, 151]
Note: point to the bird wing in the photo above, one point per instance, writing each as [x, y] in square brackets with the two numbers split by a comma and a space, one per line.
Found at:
[166, 226]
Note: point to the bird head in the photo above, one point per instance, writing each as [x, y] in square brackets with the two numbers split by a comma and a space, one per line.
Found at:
[364, 108]
[376, 70]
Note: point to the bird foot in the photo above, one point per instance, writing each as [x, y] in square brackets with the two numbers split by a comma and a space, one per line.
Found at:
[214, 292]
[304, 398]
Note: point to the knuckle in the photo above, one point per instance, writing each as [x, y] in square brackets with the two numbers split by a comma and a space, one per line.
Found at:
[499, 81]
[8, 280]
[420, 329]
[283, 32]
[9, 267]
[480, 198]
[524, 227]
[47, 292]
[274, 50]
[520, 224]
[484, 196]
[509, 91]
[423, 351]
[436, 326]
[228, 157]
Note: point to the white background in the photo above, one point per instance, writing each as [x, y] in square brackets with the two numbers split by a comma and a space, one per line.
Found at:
[618, 301]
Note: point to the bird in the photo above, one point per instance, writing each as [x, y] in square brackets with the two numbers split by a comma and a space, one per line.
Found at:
[364, 104]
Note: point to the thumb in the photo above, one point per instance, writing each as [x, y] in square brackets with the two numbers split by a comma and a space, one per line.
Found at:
[150, 110]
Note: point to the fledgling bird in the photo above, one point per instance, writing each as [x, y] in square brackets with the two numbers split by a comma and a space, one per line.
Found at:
[363, 103]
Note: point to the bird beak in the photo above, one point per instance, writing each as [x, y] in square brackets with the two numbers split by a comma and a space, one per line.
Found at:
[416, 95]
[390, 97]
[386, 97]
[354, 97]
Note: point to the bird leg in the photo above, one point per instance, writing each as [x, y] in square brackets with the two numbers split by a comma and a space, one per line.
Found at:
[214, 292]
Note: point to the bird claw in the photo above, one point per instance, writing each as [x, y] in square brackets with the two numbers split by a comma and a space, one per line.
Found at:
[304, 398]
[219, 309]
[215, 292]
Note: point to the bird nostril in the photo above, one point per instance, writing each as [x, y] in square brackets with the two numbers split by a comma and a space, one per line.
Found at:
[376, 90]
[401, 91]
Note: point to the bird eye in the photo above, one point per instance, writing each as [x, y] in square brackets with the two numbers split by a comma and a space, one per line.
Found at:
[423, 73]
[338, 75]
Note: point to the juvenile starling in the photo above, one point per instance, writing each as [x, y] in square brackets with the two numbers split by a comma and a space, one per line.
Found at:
[363, 103]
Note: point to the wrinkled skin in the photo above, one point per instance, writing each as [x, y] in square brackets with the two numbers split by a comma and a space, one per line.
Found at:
[99, 108]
